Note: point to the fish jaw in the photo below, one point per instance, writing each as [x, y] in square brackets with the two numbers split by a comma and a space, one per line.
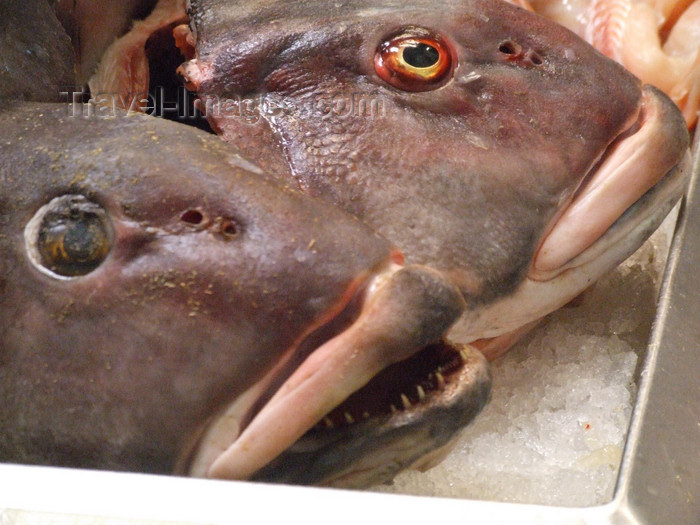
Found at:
[540, 294]
[404, 312]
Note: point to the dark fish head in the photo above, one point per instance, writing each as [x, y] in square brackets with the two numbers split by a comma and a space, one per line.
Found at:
[160, 295]
[483, 140]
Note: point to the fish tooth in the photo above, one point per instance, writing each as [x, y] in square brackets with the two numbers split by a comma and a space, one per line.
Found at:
[393, 409]
[365, 415]
[421, 392]
[464, 355]
[328, 422]
[349, 418]
[440, 380]
[405, 401]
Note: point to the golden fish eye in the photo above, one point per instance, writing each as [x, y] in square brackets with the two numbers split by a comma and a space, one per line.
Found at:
[414, 61]
[74, 236]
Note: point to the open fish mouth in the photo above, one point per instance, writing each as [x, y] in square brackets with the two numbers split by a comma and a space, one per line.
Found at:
[405, 417]
[379, 395]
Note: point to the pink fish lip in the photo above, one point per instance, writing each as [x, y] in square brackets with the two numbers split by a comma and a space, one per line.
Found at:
[403, 315]
[647, 156]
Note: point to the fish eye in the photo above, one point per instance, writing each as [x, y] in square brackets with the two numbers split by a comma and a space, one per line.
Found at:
[415, 60]
[69, 237]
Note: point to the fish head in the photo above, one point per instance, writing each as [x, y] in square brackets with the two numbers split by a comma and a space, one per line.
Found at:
[483, 140]
[158, 292]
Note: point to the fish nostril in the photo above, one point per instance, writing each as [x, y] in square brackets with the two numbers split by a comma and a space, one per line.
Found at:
[509, 47]
[199, 221]
[194, 217]
[515, 52]
[228, 228]
[535, 58]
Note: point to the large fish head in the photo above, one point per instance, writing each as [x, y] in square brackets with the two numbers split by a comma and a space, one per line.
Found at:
[159, 294]
[483, 140]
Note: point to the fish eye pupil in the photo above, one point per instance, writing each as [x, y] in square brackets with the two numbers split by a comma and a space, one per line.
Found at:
[72, 236]
[421, 55]
[83, 239]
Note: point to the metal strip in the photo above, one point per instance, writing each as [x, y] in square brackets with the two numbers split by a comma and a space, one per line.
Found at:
[660, 476]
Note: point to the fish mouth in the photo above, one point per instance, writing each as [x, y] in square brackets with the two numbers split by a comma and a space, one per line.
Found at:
[406, 417]
[386, 385]
[631, 189]
[642, 170]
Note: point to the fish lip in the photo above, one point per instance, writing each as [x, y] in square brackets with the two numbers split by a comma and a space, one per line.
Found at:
[658, 136]
[334, 370]
[372, 449]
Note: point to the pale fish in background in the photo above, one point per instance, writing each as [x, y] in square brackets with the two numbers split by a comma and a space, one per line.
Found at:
[657, 40]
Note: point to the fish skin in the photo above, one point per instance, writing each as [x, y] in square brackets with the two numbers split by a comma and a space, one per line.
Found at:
[122, 368]
[37, 60]
[467, 178]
